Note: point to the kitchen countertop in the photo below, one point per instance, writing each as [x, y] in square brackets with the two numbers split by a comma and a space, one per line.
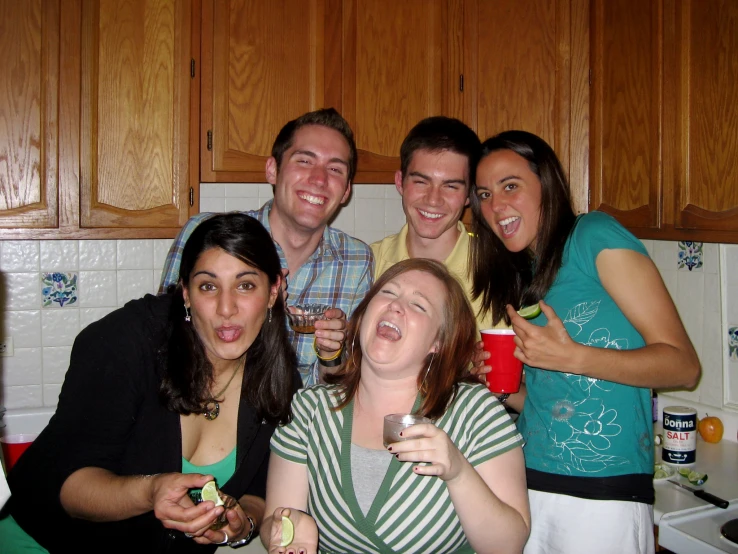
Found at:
[720, 463]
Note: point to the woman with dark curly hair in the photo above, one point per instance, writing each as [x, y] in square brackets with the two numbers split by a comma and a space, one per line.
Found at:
[162, 396]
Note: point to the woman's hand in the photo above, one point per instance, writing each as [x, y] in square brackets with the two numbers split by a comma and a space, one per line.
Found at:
[479, 368]
[305, 540]
[174, 507]
[427, 443]
[330, 333]
[238, 526]
[548, 347]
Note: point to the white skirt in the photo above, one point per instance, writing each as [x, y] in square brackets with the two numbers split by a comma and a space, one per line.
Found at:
[563, 524]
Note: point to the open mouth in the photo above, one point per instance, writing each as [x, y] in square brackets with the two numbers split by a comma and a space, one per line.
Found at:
[314, 200]
[389, 331]
[228, 334]
[430, 215]
[509, 225]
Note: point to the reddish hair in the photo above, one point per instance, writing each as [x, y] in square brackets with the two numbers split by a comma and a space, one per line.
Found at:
[449, 366]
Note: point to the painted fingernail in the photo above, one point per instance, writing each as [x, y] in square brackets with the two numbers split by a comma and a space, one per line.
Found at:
[389, 448]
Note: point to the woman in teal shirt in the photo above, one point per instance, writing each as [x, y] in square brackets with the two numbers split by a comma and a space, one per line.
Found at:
[607, 333]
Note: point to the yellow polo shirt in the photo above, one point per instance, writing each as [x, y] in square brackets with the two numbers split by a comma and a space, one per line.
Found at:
[393, 249]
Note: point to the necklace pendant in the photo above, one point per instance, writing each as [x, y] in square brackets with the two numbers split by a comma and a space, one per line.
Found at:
[211, 410]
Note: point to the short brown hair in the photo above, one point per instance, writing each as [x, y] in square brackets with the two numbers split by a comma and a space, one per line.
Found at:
[456, 338]
[325, 117]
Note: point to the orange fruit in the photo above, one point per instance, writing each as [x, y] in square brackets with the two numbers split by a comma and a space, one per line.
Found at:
[710, 428]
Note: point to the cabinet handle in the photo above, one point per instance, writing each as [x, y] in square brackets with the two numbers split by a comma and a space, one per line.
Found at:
[461, 82]
[210, 140]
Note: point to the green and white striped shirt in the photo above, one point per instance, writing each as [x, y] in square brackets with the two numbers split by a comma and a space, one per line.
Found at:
[411, 513]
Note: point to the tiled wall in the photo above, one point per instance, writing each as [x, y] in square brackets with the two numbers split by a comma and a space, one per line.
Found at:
[37, 277]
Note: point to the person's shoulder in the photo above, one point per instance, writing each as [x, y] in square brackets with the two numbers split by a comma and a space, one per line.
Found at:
[139, 321]
[317, 397]
[603, 231]
[347, 246]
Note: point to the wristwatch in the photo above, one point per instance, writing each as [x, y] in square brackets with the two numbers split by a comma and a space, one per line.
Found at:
[247, 538]
[503, 397]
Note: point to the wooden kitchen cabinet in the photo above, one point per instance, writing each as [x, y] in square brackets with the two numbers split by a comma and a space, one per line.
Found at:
[526, 66]
[263, 64]
[402, 62]
[100, 147]
[664, 120]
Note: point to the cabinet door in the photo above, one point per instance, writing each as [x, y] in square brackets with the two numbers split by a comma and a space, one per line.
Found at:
[262, 65]
[705, 181]
[627, 88]
[29, 113]
[135, 70]
[526, 66]
[401, 63]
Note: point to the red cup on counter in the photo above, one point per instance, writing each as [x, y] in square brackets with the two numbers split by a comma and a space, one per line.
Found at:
[507, 370]
[13, 446]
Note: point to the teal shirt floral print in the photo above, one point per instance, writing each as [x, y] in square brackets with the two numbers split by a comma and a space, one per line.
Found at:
[577, 425]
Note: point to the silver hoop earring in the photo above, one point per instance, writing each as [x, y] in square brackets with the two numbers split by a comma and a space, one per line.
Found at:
[270, 314]
[188, 317]
[427, 370]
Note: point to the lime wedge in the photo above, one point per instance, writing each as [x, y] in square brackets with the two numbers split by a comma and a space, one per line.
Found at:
[660, 474]
[529, 312]
[210, 492]
[685, 471]
[697, 478]
[288, 531]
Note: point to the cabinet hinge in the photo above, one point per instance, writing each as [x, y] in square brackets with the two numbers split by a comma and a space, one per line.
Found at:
[461, 82]
[192, 68]
[192, 197]
[210, 140]
[590, 77]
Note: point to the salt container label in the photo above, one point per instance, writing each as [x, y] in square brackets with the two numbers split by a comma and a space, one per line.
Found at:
[680, 436]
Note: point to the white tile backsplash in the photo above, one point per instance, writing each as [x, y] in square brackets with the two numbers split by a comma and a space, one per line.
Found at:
[26, 396]
[97, 254]
[22, 290]
[59, 255]
[19, 255]
[135, 254]
[22, 368]
[97, 289]
[59, 327]
[134, 283]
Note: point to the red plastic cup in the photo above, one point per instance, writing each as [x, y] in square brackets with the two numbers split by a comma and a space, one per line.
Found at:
[13, 446]
[507, 370]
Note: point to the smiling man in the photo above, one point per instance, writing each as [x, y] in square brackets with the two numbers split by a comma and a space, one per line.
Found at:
[437, 160]
[311, 168]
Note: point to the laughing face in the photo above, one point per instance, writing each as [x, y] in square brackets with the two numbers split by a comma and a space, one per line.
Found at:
[434, 192]
[510, 199]
[312, 181]
[228, 300]
[401, 324]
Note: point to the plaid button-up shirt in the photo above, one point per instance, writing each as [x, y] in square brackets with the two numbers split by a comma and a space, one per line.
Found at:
[338, 273]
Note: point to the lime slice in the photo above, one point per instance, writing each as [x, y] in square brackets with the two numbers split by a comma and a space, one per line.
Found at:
[288, 531]
[210, 492]
[685, 471]
[529, 312]
[697, 478]
[660, 474]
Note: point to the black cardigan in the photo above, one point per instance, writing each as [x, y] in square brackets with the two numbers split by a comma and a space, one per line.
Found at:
[109, 416]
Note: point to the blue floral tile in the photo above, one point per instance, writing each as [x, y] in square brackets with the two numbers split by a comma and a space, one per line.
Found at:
[59, 289]
[733, 342]
[690, 255]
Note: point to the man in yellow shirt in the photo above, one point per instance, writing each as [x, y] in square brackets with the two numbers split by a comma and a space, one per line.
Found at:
[438, 158]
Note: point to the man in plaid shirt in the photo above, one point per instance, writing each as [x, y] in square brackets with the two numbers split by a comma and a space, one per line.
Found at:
[312, 166]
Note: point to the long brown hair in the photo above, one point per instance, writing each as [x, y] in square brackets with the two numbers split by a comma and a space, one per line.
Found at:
[448, 367]
[521, 278]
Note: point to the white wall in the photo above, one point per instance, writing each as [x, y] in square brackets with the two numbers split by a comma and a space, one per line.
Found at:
[112, 272]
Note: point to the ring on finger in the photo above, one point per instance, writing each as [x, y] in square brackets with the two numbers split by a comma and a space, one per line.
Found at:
[225, 540]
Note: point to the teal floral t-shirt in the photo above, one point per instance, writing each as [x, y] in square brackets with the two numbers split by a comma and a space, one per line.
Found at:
[577, 425]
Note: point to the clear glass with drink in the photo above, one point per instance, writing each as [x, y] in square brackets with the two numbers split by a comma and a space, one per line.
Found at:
[394, 424]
